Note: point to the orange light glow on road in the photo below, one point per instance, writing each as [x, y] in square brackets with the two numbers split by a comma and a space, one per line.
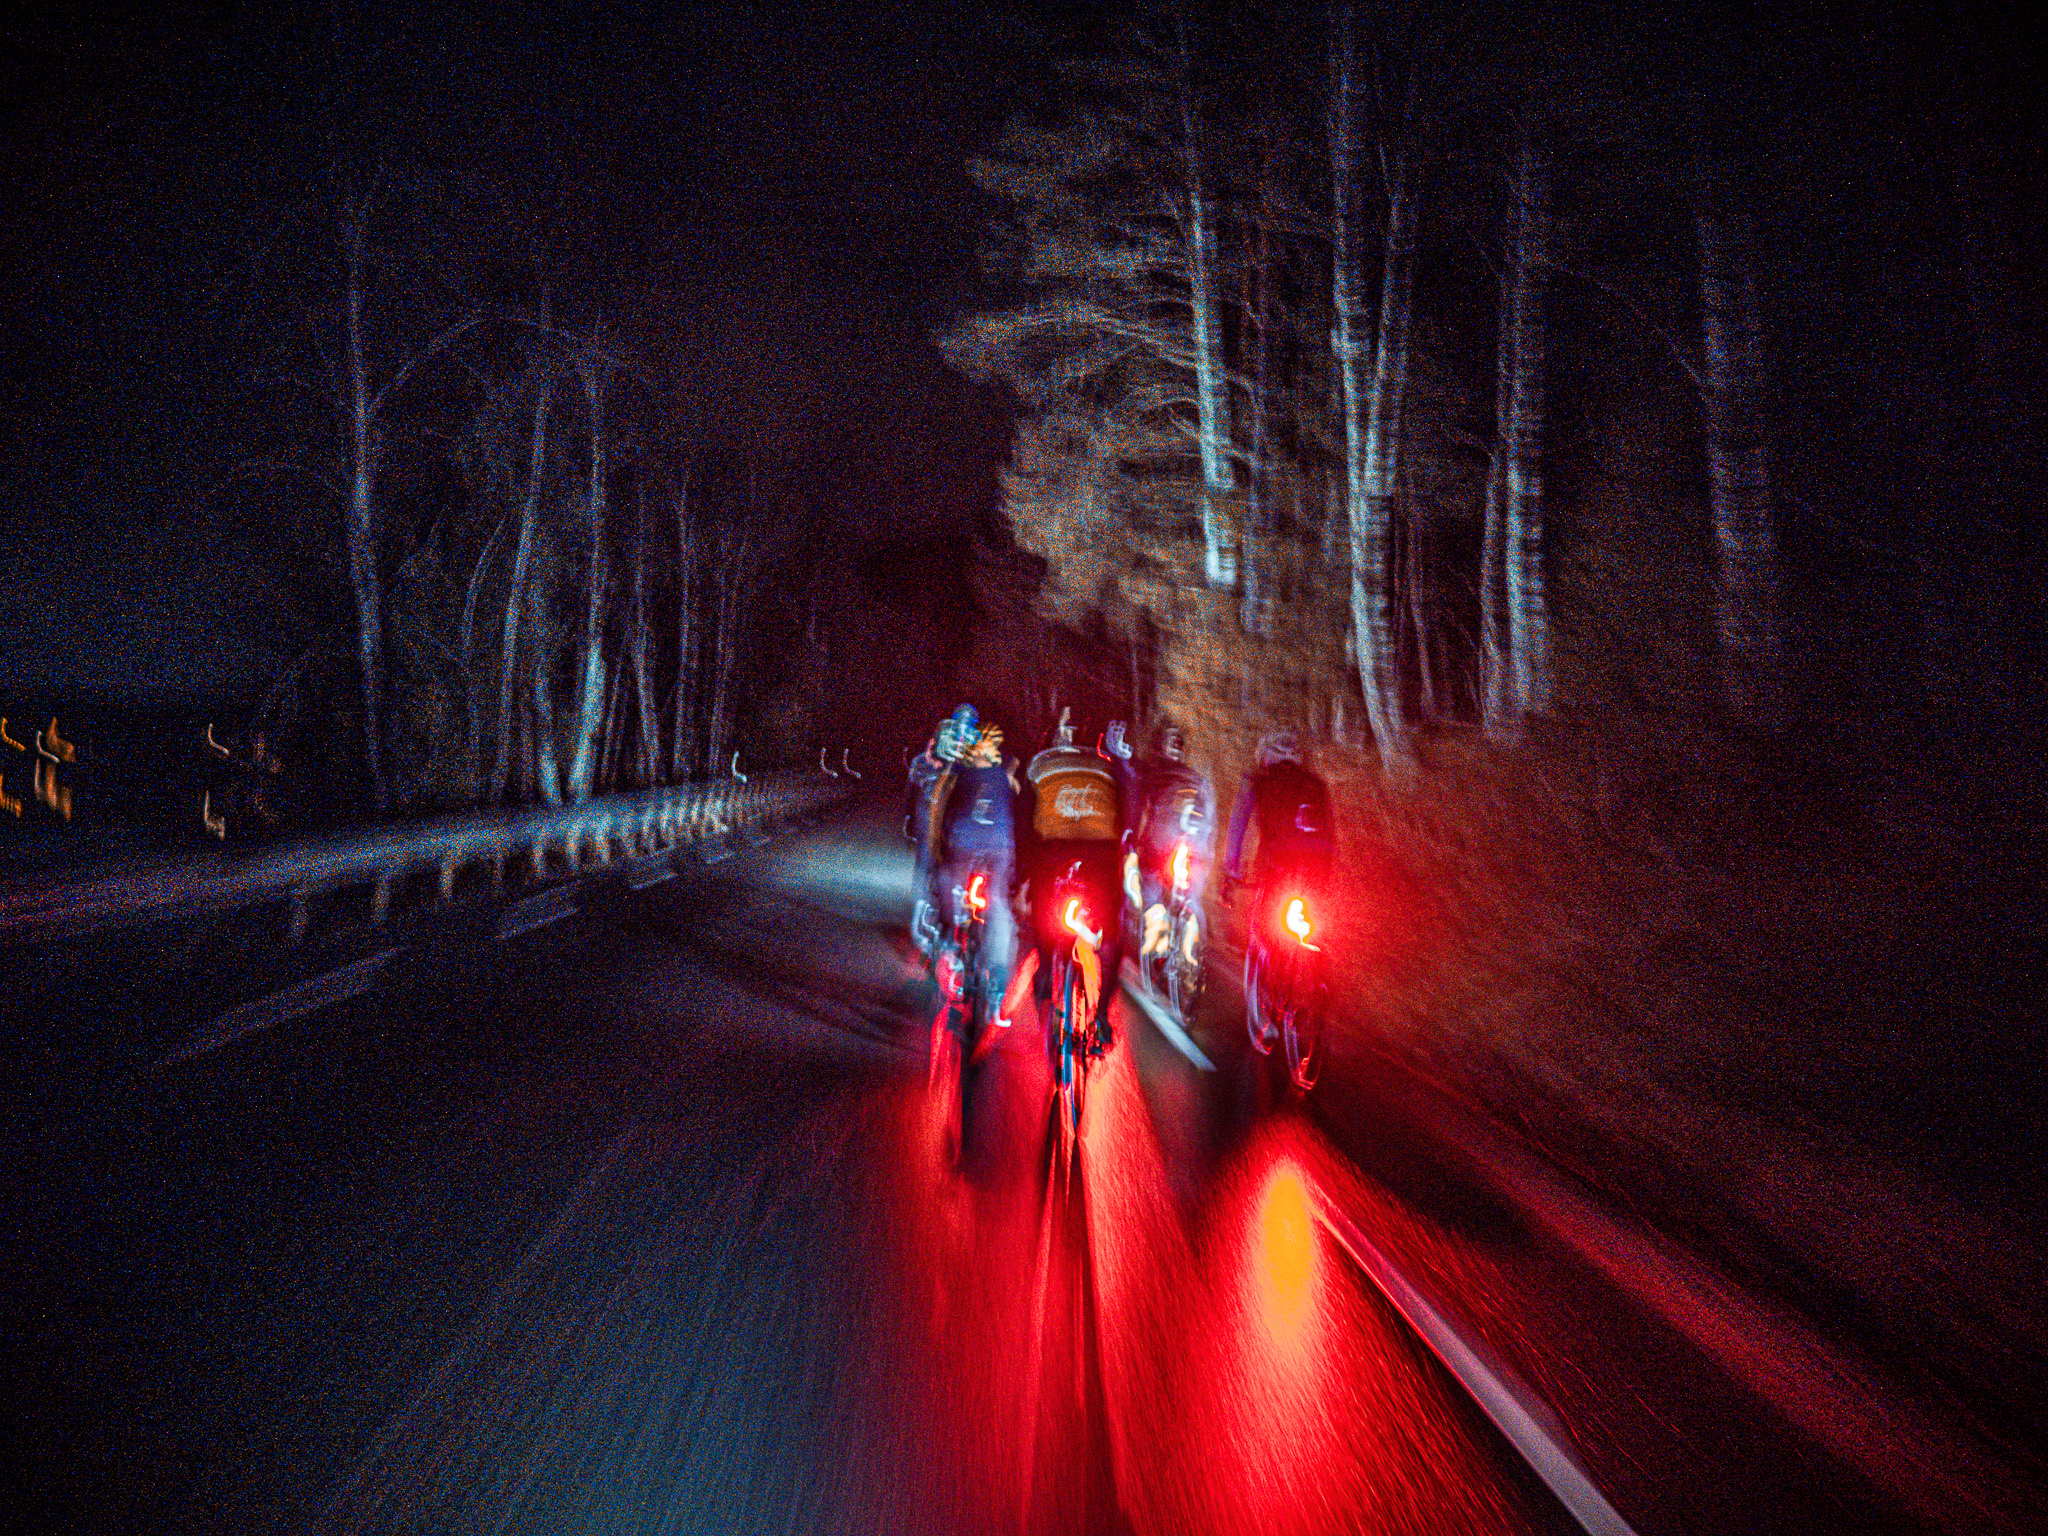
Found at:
[1287, 1258]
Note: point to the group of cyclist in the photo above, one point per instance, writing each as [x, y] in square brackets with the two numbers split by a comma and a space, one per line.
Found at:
[1133, 832]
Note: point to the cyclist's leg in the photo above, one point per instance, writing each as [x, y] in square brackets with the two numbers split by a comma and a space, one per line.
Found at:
[1106, 875]
[999, 938]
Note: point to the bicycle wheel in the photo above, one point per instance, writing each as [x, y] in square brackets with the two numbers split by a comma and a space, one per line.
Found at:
[1183, 975]
[1303, 1033]
[1254, 1001]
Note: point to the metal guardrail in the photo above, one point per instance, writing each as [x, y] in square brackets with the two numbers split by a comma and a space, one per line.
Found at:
[384, 858]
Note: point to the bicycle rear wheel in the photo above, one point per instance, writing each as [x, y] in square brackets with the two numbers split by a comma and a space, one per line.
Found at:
[1071, 1065]
[1255, 1003]
[1183, 975]
[1302, 1032]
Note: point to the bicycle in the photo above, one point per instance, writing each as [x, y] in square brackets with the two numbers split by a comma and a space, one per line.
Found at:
[1075, 980]
[960, 969]
[1283, 986]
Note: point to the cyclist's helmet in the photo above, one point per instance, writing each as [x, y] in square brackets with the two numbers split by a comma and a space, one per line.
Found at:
[956, 731]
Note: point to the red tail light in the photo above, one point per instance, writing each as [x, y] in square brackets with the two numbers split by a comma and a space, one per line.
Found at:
[977, 892]
[1077, 922]
[1297, 921]
[1180, 866]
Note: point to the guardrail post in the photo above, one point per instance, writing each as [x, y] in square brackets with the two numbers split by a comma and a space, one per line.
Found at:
[540, 856]
[448, 868]
[380, 898]
[296, 931]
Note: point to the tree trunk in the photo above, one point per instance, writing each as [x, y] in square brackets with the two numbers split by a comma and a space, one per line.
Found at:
[689, 601]
[643, 680]
[473, 760]
[1745, 532]
[590, 705]
[1522, 439]
[522, 557]
[1212, 401]
[362, 518]
[1374, 462]
[614, 727]
[1415, 564]
[734, 578]
[546, 768]
[1496, 708]
[1258, 553]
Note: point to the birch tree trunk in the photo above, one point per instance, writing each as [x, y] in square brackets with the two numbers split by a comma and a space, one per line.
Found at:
[643, 681]
[1745, 531]
[734, 580]
[1347, 344]
[613, 729]
[1528, 612]
[1494, 706]
[472, 772]
[590, 705]
[689, 602]
[362, 514]
[1258, 557]
[1374, 463]
[1212, 401]
[546, 769]
[522, 557]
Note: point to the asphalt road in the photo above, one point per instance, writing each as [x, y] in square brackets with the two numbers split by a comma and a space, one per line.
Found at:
[642, 1219]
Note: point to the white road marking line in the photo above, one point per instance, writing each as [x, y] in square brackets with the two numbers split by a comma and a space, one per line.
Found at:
[1523, 1417]
[642, 880]
[1169, 1026]
[287, 1003]
[482, 1332]
[536, 912]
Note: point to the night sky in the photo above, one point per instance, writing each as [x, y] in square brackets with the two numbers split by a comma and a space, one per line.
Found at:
[786, 199]
[782, 201]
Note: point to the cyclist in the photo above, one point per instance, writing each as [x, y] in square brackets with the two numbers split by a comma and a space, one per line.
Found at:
[1077, 818]
[973, 820]
[1297, 835]
[1175, 808]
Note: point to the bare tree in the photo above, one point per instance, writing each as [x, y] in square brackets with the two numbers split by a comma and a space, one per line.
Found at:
[735, 580]
[595, 369]
[363, 408]
[689, 635]
[1738, 465]
[1522, 428]
[648, 717]
[1212, 400]
[522, 551]
[1374, 444]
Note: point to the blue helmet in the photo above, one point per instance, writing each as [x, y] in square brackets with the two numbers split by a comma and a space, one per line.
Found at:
[956, 732]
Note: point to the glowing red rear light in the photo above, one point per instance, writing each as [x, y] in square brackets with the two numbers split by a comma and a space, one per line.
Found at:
[1077, 923]
[1180, 864]
[1298, 923]
[977, 892]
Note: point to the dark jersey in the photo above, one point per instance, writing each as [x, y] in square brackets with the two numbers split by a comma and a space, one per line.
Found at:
[1176, 805]
[1292, 809]
[979, 813]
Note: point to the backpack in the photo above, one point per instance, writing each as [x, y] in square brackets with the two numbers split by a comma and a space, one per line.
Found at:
[1076, 799]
